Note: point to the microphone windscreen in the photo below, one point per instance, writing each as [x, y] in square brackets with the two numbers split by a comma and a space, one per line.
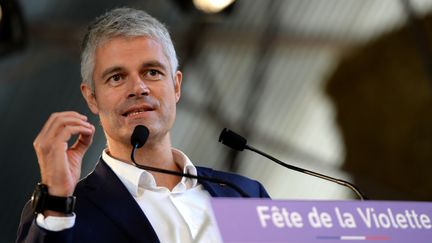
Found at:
[139, 136]
[232, 139]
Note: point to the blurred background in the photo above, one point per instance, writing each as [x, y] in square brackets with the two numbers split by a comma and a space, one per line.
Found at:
[342, 87]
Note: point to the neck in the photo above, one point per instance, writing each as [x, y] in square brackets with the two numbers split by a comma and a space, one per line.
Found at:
[151, 154]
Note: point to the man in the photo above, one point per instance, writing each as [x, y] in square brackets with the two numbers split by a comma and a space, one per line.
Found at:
[130, 78]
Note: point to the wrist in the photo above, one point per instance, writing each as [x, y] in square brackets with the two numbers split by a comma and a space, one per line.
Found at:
[57, 189]
[59, 192]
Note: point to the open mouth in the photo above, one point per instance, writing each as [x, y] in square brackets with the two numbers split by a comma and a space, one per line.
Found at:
[136, 111]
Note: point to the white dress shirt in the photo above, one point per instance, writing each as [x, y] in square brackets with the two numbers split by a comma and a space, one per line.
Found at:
[180, 215]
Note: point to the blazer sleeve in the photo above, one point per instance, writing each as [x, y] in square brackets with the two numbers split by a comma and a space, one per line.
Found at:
[29, 231]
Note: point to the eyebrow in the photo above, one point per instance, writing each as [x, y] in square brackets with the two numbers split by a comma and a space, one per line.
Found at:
[148, 64]
[111, 70]
[154, 63]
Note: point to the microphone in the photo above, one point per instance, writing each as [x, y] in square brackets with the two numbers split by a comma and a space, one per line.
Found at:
[237, 142]
[139, 137]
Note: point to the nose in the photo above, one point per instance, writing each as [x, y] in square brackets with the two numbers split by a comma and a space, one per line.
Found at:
[138, 87]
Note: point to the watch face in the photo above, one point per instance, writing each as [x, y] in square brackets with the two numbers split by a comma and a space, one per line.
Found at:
[38, 198]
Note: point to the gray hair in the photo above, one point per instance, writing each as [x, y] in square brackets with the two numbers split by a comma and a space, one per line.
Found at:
[123, 22]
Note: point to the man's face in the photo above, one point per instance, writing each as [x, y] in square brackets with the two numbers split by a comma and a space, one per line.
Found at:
[133, 85]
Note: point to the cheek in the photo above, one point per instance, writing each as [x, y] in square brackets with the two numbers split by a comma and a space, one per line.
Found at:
[107, 111]
[172, 110]
[105, 119]
[167, 109]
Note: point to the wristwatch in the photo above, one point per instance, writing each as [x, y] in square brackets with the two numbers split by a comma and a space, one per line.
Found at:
[42, 201]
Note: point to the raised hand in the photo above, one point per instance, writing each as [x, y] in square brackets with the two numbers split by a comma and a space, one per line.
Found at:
[60, 165]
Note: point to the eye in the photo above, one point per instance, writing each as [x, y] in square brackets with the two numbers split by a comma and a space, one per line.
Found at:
[153, 74]
[115, 79]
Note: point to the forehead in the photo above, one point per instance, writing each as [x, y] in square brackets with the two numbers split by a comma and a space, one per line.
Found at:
[128, 52]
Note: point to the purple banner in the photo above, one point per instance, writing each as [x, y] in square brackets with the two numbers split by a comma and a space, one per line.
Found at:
[265, 220]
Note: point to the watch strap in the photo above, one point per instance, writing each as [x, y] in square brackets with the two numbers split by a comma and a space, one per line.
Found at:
[42, 201]
[60, 204]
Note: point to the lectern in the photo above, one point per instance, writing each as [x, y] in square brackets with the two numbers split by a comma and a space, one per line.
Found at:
[265, 220]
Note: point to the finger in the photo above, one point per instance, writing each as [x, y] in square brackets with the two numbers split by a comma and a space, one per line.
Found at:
[68, 131]
[60, 123]
[59, 135]
[83, 142]
[67, 118]
[44, 146]
[65, 122]
[54, 119]
[58, 117]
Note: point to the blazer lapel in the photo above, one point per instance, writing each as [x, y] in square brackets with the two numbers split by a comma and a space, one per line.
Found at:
[208, 186]
[109, 194]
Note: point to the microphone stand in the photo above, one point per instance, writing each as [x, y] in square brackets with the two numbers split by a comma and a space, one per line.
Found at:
[237, 142]
[298, 169]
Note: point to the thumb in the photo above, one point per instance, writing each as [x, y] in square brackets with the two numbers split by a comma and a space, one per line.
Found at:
[83, 142]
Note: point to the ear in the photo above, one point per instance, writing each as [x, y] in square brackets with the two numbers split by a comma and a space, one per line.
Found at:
[177, 85]
[90, 98]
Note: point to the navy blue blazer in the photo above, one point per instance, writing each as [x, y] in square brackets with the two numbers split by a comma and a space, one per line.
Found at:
[107, 212]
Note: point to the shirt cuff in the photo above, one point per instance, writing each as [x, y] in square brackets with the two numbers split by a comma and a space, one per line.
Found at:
[54, 223]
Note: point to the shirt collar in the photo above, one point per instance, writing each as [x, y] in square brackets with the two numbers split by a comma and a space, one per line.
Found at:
[135, 178]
